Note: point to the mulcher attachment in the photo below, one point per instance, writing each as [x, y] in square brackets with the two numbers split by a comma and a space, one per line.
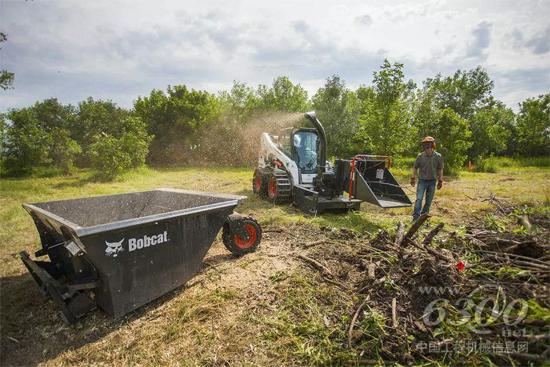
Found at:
[374, 183]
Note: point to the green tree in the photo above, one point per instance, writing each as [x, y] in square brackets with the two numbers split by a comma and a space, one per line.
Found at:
[40, 136]
[6, 77]
[175, 118]
[97, 117]
[386, 111]
[533, 126]
[112, 154]
[468, 95]
[338, 110]
[491, 128]
[453, 137]
[63, 149]
[241, 101]
[26, 144]
[465, 92]
[283, 95]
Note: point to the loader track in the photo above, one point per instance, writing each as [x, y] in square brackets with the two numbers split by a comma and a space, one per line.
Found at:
[279, 187]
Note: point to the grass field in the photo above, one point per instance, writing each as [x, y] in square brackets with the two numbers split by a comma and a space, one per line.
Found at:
[265, 308]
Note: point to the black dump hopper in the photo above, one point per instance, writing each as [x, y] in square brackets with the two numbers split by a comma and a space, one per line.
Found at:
[121, 251]
[374, 183]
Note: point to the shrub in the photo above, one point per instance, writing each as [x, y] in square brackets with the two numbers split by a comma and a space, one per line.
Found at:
[488, 164]
[108, 157]
[112, 155]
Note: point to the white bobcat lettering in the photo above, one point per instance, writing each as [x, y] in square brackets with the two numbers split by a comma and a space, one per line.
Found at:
[113, 248]
[146, 241]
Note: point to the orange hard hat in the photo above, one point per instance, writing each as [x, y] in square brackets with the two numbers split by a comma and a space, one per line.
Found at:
[428, 139]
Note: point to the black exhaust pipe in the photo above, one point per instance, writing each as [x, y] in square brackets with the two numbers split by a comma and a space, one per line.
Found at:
[322, 158]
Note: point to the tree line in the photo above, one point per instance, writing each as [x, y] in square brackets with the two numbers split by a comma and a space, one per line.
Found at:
[182, 126]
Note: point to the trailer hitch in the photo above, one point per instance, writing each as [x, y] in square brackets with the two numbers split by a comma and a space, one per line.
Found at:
[72, 298]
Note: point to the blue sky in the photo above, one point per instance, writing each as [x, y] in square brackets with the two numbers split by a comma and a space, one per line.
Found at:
[119, 50]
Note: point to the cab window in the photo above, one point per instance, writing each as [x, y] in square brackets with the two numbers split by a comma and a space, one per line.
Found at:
[284, 144]
[305, 151]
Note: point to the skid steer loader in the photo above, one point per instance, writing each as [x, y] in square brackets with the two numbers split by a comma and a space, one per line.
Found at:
[293, 167]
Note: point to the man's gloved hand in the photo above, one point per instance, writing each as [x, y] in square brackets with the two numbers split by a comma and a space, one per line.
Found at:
[439, 184]
[413, 181]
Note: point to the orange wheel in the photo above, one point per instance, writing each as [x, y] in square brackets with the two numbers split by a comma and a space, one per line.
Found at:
[258, 183]
[235, 242]
[252, 236]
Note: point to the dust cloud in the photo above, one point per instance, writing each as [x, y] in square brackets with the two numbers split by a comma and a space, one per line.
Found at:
[233, 142]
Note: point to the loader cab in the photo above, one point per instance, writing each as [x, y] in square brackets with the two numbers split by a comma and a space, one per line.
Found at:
[304, 149]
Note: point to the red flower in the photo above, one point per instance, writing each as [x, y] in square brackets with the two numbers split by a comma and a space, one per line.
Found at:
[460, 265]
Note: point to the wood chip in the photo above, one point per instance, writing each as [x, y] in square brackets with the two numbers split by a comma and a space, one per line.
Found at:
[394, 312]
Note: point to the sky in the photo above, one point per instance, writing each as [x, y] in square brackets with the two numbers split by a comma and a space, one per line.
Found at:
[120, 50]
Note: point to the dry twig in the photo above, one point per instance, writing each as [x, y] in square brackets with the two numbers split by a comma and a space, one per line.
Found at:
[354, 319]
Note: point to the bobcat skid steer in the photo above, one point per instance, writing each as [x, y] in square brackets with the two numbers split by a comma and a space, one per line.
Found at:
[294, 168]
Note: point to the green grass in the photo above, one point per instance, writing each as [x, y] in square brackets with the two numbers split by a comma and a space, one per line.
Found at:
[310, 323]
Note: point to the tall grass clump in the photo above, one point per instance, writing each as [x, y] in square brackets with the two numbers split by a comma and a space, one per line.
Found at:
[489, 165]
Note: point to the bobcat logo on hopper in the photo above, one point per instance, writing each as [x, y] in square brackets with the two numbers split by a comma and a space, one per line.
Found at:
[113, 248]
[136, 244]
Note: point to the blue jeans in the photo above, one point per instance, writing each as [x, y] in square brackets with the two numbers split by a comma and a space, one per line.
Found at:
[424, 187]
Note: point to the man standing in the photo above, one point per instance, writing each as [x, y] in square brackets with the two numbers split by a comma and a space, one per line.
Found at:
[429, 168]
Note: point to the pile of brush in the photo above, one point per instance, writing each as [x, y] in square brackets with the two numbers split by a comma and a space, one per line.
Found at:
[431, 290]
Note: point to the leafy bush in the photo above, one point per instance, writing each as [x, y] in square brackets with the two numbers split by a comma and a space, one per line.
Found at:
[111, 155]
[534, 161]
[174, 118]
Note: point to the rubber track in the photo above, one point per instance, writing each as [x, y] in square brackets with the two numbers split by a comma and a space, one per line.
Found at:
[283, 186]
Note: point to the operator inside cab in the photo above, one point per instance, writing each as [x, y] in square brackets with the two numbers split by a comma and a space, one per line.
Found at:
[305, 146]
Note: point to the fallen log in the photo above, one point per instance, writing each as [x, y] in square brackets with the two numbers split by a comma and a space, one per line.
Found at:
[429, 250]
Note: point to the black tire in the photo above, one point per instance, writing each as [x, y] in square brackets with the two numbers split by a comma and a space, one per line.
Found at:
[235, 243]
[278, 187]
[259, 183]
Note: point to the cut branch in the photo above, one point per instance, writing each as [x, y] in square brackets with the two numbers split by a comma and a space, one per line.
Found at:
[416, 226]
[400, 233]
[429, 238]
[354, 319]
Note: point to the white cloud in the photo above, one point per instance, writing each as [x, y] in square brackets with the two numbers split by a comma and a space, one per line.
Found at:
[119, 50]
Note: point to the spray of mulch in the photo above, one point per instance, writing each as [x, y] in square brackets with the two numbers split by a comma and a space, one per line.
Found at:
[235, 142]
